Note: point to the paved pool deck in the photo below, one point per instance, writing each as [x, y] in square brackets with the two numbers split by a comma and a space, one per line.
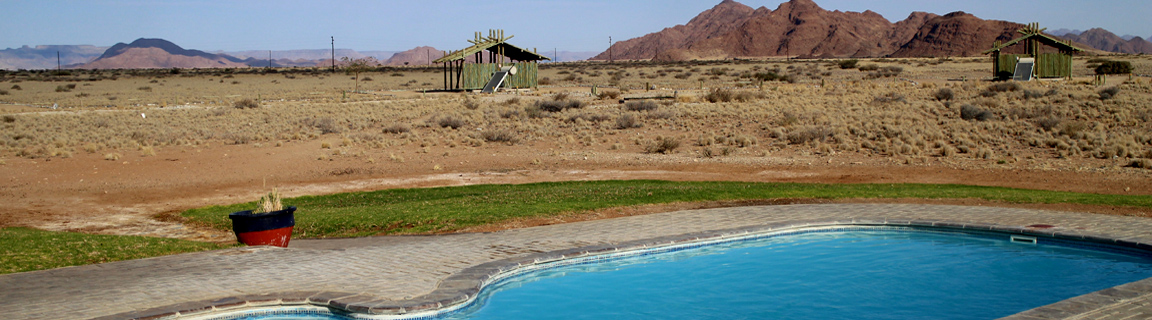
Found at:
[399, 274]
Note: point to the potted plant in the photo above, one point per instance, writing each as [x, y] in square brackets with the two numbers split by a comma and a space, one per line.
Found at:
[270, 224]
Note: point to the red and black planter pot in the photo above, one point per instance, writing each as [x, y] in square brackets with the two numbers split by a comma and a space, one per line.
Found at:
[264, 229]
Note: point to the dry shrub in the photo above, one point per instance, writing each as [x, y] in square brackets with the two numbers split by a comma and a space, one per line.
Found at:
[889, 98]
[719, 95]
[504, 136]
[609, 95]
[661, 115]
[246, 104]
[1032, 94]
[1141, 163]
[969, 112]
[558, 105]
[945, 94]
[397, 128]
[3, 92]
[1108, 93]
[145, 89]
[746, 96]
[869, 67]
[62, 89]
[471, 104]
[450, 122]
[1004, 87]
[326, 125]
[627, 121]
[885, 72]
[645, 105]
[589, 117]
[112, 156]
[1049, 123]
[9, 118]
[663, 145]
[810, 134]
[510, 113]
[534, 111]
[512, 102]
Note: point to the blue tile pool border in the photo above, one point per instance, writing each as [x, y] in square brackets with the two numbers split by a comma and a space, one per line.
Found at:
[460, 290]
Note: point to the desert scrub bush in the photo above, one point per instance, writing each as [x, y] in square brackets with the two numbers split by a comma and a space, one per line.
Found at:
[246, 104]
[397, 128]
[145, 89]
[869, 67]
[558, 105]
[1004, 87]
[719, 95]
[1108, 93]
[62, 89]
[1141, 163]
[9, 118]
[969, 112]
[627, 121]
[889, 98]
[503, 136]
[534, 111]
[512, 102]
[608, 95]
[326, 125]
[16, 87]
[589, 117]
[112, 156]
[746, 96]
[848, 64]
[1048, 123]
[944, 94]
[661, 115]
[1114, 67]
[471, 104]
[645, 105]
[885, 72]
[3, 92]
[811, 134]
[662, 145]
[450, 122]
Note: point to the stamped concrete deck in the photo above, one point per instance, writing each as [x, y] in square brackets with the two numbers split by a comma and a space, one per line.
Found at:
[388, 274]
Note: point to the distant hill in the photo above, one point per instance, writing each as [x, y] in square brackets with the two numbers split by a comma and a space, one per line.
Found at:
[801, 28]
[159, 53]
[44, 57]
[414, 57]
[1105, 40]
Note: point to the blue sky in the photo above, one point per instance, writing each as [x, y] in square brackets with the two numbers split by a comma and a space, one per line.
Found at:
[575, 25]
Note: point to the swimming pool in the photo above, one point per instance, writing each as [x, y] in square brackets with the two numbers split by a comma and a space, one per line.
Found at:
[856, 272]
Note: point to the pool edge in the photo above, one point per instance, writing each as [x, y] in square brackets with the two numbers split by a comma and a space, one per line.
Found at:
[460, 289]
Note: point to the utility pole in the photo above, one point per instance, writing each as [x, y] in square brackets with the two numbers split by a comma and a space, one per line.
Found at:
[555, 56]
[57, 61]
[610, 59]
[333, 53]
[269, 59]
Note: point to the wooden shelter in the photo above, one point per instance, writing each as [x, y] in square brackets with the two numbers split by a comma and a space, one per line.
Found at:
[462, 74]
[1053, 58]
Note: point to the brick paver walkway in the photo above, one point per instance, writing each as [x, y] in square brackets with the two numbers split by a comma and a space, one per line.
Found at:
[389, 270]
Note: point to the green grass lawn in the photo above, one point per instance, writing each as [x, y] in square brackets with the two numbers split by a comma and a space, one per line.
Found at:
[24, 249]
[453, 208]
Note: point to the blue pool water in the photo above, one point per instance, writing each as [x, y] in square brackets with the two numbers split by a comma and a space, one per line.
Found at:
[825, 275]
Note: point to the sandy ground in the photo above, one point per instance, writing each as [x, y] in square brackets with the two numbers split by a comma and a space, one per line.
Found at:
[142, 195]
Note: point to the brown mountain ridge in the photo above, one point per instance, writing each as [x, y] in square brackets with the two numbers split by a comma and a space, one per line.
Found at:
[801, 28]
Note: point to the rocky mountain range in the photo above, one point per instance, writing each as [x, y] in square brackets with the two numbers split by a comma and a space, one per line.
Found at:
[801, 28]
[44, 57]
[1104, 40]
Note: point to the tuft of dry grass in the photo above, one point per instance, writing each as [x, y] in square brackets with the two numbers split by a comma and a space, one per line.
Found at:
[503, 136]
[645, 105]
[662, 145]
[627, 121]
[246, 104]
